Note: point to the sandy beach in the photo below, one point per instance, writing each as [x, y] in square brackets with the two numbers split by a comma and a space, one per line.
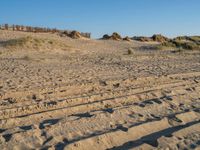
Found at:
[63, 93]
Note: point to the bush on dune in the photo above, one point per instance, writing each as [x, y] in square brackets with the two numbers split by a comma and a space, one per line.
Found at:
[127, 39]
[159, 38]
[75, 35]
[115, 36]
[106, 37]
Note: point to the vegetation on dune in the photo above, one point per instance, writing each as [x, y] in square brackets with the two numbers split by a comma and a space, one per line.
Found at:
[126, 39]
[154, 38]
[189, 38]
[178, 43]
[34, 43]
[106, 37]
[159, 38]
[74, 34]
[184, 43]
[142, 39]
[115, 36]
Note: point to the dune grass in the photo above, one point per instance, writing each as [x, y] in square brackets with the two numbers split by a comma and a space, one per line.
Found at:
[183, 43]
[35, 43]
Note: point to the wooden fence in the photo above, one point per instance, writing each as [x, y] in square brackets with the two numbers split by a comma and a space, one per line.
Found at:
[37, 29]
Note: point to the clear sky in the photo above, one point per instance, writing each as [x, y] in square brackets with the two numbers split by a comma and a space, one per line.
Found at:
[128, 17]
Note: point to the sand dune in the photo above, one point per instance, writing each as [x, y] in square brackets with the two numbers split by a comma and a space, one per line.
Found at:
[94, 94]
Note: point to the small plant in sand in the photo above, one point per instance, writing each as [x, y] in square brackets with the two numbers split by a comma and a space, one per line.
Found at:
[50, 42]
[26, 58]
[129, 52]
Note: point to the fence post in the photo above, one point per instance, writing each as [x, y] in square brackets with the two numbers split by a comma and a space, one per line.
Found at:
[6, 26]
[13, 27]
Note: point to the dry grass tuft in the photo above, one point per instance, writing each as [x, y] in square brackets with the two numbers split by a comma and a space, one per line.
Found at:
[129, 52]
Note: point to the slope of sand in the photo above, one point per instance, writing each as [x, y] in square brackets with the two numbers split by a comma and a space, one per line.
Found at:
[93, 95]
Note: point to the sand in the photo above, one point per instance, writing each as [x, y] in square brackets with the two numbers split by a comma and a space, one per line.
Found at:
[94, 95]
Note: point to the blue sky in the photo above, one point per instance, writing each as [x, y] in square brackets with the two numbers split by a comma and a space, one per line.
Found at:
[128, 17]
